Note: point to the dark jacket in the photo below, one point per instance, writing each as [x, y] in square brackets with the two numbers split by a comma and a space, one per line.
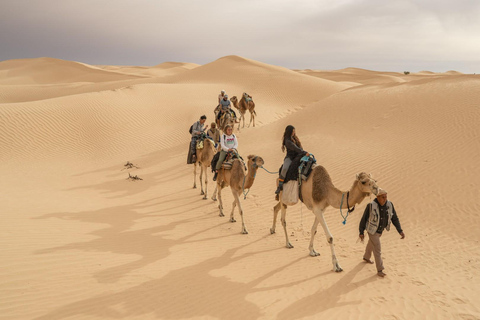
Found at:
[292, 149]
[383, 218]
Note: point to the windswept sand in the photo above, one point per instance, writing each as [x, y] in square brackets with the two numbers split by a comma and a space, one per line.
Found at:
[79, 241]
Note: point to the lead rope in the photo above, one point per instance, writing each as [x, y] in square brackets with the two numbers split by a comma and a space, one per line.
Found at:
[344, 217]
[269, 171]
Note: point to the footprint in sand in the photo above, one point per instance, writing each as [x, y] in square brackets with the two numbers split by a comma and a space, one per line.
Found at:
[418, 283]
[459, 301]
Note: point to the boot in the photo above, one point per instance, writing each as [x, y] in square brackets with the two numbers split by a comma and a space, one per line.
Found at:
[215, 176]
[280, 186]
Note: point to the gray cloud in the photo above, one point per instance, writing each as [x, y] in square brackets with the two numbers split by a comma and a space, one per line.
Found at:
[410, 35]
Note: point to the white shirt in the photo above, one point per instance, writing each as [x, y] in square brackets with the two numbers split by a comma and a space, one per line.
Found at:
[228, 142]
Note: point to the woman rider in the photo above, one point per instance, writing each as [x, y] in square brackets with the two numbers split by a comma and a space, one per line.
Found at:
[228, 143]
[293, 145]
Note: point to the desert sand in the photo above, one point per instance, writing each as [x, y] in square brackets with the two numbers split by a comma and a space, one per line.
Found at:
[80, 241]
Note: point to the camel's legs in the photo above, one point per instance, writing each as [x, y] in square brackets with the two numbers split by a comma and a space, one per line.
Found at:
[205, 169]
[194, 175]
[313, 253]
[220, 203]
[252, 117]
[240, 122]
[275, 214]
[236, 195]
[214, 197]
[234, 204]
[284, 223]
[319, 215]
[201, 178]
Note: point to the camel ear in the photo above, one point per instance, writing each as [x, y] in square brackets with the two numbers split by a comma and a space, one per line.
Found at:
[357, 177]
[250, 157]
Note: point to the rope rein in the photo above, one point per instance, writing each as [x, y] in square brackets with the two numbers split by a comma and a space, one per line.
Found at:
[348, 208]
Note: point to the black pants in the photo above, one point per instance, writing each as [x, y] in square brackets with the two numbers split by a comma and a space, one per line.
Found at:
[193, 145]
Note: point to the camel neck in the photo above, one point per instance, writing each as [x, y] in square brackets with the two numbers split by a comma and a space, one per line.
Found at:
[250, 178]
[354, 197]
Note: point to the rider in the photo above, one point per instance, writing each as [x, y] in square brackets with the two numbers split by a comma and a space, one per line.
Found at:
[293, 145]
[197, 130]
[225, 106]
[228, 143]
[221, 95]
[220, 98]
[214, 133]
[247, 97]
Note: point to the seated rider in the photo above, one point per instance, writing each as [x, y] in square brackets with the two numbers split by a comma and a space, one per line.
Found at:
[220, 98]
[214, 133]
[294, 148]
[225, 106]
[228, 143]
[247, 97]
[197, 130]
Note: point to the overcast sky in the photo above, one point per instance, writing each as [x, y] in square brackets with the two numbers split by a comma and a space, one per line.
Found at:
[384, 35]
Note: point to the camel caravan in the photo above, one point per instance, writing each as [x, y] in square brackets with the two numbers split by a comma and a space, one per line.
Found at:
[300, 177]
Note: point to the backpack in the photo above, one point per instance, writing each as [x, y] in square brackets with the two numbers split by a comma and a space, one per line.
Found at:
[191, 129]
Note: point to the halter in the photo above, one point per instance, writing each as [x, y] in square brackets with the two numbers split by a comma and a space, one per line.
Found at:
[348, 208]
[254, 165]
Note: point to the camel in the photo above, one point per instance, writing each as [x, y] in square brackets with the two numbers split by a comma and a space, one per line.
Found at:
[243, 106]
[318, 194]
[204, 158]
[226, 119]
[238, 181]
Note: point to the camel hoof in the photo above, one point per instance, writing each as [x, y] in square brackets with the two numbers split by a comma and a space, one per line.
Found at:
[289, 246]
[272, 231]
[194, 187]
[204, 198]
[232, 220]
[202, 193]
[221, 215]
[214, 199]
[314, 253]
[338, 268]
[245, 231]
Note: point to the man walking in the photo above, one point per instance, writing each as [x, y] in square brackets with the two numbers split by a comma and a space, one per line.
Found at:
[377, 217]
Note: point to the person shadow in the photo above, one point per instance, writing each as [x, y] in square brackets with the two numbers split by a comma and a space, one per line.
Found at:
[325, 299]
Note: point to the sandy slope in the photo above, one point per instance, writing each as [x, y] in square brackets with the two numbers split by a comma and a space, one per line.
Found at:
[80, 241]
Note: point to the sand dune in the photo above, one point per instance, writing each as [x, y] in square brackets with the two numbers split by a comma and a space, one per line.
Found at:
[161, 70]
[49, 70]
[81, 241]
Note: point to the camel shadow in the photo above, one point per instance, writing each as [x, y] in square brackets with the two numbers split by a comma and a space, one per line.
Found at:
[149, 243]
[194, 290]
[329, 298]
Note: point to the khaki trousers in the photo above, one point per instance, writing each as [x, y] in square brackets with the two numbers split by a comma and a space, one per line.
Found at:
[374, 246]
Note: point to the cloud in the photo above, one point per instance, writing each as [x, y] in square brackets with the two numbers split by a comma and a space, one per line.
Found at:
[298, 34]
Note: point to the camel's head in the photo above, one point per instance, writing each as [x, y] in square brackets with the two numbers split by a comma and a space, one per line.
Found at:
[234, 99]
[256, 161]
[366, 183]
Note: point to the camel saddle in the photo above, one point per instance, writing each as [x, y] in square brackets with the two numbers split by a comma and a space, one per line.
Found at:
[202, 139]
[300, 168]
[228, 162]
